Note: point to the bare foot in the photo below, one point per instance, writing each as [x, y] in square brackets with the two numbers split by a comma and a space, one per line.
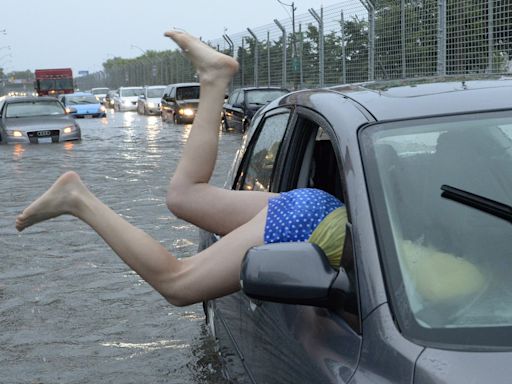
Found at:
[59, 199]
[211, 65]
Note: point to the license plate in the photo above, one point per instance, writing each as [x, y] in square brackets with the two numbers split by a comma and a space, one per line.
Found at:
[88, 116]
[43, 140]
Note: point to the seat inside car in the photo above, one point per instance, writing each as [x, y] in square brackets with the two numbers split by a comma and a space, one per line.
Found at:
[320, 167]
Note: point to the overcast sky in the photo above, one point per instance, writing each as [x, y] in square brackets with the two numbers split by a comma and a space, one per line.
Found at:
[84, 34]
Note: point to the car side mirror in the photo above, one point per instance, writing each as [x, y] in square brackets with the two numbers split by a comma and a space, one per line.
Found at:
[293, 273]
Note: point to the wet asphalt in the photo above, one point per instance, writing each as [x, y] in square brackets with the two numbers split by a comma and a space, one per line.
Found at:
[70, 310]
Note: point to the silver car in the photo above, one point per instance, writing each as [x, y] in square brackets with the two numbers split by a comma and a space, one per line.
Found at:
[36, 120]
[149, 100]
[126, 98]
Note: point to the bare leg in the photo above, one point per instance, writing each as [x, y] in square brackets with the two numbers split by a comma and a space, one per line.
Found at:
[209, 274]
[190, 197]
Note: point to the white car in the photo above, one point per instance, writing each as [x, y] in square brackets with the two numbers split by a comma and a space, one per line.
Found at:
[100, 93]
[149, 100]
[126, 98]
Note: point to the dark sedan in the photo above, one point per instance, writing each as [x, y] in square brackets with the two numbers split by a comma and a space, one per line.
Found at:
[243, 103]
[423, 293]
[36, 120]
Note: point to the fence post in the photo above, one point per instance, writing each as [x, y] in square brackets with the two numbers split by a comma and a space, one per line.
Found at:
[371, 37]
[343, 50]
[320, 20]
[490, 31]
[230, 43]
[256, 70]
[402, 37]
[441, 38]
[283, 81]
[268, 58]
[301, 45]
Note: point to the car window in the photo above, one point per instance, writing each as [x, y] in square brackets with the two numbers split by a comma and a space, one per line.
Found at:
[233, 97]
[452, 259]
[259, 167]
[127, 92]
[240, 99]
[263, 96]
[155, 92]
[187, 93]
[34, 108]
[82, 99]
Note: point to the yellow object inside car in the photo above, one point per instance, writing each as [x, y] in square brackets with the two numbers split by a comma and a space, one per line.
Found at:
[438, 276]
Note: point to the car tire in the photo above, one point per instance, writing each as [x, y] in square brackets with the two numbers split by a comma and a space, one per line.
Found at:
[224, 124]
[176, 119]
[245, 125]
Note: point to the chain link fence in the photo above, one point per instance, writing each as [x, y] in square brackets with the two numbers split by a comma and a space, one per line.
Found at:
[352, 41]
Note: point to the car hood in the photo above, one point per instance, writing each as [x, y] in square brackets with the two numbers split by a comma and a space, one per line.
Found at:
[130, 98]
[86, 108]
[442, 366]
[39, 122]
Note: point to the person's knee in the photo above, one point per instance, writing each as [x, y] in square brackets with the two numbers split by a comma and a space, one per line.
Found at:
[176, 198]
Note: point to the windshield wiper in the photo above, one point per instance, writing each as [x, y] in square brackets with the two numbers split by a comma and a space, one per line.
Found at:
[484, 204]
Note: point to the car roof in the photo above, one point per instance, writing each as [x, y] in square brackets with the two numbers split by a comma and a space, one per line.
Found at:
[183, 85]
[79, 94]
[399, 100]
[263, 89]
[21, 99]
[155, 86]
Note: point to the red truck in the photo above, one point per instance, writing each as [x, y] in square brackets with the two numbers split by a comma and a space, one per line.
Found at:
[53, 81]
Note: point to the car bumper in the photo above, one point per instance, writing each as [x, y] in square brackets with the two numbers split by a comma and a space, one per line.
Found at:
[54, 138]
[89, 115]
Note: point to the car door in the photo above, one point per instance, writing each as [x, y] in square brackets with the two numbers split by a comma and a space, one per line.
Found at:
[295, 343]
[228, 108]
[164, 103]
[224, 312]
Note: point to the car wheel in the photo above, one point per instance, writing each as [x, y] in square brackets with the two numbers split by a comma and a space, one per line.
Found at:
[245, 125]
[176, 119]
[224, 124]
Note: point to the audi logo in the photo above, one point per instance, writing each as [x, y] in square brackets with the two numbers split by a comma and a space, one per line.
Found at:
[44, 133]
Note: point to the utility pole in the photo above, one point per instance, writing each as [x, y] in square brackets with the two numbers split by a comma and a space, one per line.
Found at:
[295, 59]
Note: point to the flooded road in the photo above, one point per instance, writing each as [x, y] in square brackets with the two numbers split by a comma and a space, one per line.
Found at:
[71, 311]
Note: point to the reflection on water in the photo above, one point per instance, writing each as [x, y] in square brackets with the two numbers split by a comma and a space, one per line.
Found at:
[17, 151]
[71, 311]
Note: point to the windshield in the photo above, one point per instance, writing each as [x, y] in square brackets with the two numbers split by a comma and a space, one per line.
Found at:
[155, 92]
[452, 260]
[186, 93]
[34, 108]
[99, 91]
[85, 99]
[127, 92]
[57, 84]
[262, 97]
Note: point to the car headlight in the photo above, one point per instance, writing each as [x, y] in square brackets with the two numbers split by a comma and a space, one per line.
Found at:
[151, 105]
[69, 129]
[15, 133]
[102, 108]
[186, 111]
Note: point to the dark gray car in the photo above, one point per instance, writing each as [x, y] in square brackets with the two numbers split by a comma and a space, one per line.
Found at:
[423, 293]
[36, 120]
[243, 103]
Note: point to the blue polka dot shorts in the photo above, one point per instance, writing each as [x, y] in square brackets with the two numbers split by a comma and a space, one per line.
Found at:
[293, 216]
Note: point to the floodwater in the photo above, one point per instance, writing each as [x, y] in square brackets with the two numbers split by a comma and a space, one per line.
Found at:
[70, 310]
